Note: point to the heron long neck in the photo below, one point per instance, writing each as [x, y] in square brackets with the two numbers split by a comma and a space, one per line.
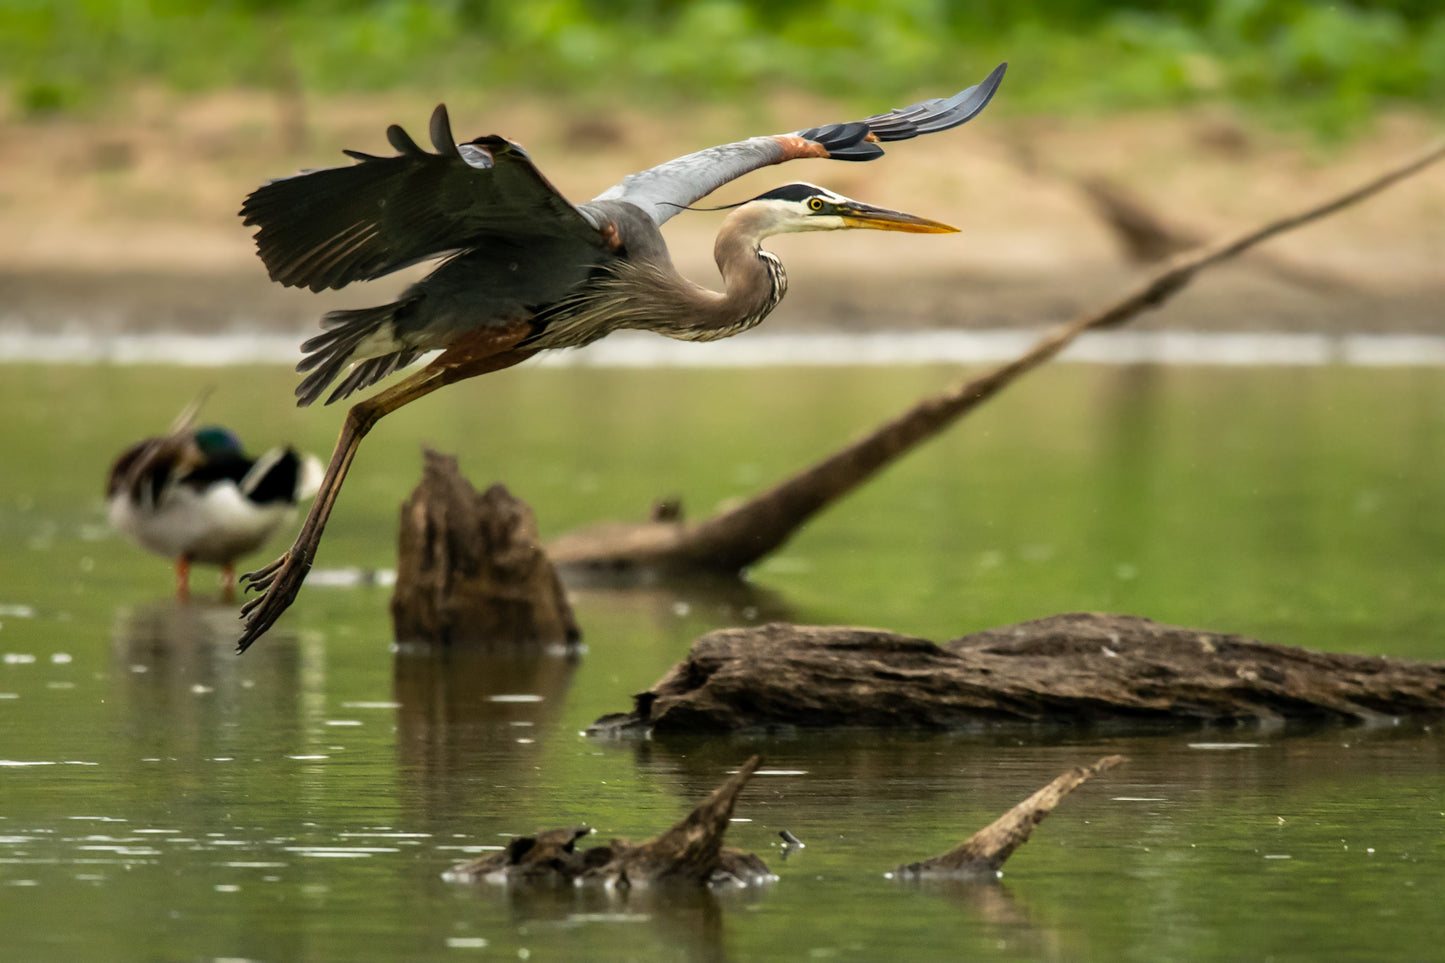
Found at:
[754, 280]
[649, 294]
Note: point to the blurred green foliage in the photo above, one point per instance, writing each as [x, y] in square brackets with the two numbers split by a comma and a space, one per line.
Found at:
[1333, 64]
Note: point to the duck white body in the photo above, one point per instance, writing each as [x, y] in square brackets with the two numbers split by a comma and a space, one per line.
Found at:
[214, 526]
[196, 498]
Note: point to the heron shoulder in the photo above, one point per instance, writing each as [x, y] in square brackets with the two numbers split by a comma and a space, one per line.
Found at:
[638, 236]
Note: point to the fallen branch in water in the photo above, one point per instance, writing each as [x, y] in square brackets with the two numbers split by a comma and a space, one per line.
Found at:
[983, 854]
[734, 539]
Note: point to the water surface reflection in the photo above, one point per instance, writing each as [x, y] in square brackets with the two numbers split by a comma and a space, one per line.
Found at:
[301, 802]
[179, 687]
[466, 714]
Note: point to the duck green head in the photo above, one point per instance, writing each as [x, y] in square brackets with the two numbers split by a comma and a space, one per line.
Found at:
[214, 441]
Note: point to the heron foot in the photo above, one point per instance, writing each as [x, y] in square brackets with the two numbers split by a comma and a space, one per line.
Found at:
[261, 579]
[278, 584]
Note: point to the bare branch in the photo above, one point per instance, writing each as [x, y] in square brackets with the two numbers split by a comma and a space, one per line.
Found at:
[981, 855]
[732, 540]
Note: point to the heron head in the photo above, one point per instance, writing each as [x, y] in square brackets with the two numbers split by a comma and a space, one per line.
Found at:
[808, 207]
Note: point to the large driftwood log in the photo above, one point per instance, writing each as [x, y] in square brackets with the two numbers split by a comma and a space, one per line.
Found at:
[981, 855]
[471, 569]
[691, 853]
[1067, 669]
[733, 539]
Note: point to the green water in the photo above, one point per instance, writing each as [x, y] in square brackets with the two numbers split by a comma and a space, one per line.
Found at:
[300, 803]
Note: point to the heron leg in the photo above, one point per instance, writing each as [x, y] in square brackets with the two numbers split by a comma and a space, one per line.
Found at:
[279, 581]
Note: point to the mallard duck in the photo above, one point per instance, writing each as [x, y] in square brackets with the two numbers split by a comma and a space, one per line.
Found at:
[195, 496]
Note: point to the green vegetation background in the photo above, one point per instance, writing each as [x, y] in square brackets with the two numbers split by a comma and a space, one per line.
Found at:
[1328, 66]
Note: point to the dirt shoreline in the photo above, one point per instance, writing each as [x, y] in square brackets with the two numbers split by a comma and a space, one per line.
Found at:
[123, 302]
[125, 223]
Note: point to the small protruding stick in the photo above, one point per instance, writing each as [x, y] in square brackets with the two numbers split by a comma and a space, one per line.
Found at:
[981, 855]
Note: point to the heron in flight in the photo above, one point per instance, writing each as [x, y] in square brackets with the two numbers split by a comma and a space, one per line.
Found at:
[526, 270]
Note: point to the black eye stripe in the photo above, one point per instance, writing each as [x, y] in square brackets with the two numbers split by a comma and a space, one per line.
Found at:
[789, 192]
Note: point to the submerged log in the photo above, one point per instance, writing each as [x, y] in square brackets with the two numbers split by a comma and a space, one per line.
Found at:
[731, 540]
[689, 854]
[471, 569]
[983, 854]
[1066, 669]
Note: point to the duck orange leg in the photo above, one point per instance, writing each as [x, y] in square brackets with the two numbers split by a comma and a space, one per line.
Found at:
[183, 579]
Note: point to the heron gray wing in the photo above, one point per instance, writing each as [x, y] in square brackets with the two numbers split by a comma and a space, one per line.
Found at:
[666, 189]
[327, 228]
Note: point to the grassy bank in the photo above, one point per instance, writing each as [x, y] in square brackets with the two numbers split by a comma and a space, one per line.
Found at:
[1329, 67]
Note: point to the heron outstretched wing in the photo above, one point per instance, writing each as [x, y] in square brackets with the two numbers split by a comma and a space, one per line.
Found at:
[666, 189]
[327, 228]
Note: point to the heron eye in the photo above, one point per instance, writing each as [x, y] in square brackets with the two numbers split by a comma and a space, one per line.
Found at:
[815, 203]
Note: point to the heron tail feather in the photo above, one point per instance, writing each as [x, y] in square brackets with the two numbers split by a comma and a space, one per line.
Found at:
[364, 338]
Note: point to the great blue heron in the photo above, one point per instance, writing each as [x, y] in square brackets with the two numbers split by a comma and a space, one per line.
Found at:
[526, 270]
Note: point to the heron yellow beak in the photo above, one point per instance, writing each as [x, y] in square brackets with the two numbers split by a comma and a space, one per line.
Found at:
[882, 219]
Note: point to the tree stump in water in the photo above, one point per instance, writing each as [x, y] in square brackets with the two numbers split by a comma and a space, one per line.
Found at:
[471, 569]
[1067, 669]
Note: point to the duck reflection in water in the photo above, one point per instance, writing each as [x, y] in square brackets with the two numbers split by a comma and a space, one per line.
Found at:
[177, 682]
